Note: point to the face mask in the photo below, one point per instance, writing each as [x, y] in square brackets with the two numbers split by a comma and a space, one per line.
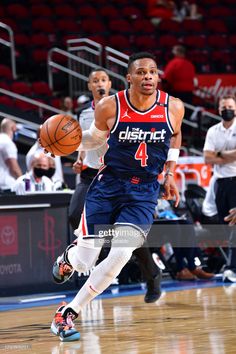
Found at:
[39, 172]
[50, 172]
[227, 114]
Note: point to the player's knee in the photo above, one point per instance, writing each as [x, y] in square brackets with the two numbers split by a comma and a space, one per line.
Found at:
[128, 236]
[81, 266]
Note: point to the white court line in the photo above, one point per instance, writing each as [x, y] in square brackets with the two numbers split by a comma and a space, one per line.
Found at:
[43, 298]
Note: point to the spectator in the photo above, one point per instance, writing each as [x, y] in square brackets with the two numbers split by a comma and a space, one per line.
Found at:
[186, 9]
[9, 167]
[67, 105]
[36, 148]
[35, 180]
[160, 10]
[179, 75]
[220, 150]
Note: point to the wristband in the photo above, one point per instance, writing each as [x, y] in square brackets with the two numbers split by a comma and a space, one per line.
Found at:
[169, 173]
[173, 155]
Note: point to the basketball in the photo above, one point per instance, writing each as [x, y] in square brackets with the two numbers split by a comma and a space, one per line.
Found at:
[60, 135]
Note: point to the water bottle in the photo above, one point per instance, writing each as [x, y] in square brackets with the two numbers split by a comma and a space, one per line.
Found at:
[27, 183]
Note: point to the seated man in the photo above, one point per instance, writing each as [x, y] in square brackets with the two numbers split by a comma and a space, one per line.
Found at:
[35, 180]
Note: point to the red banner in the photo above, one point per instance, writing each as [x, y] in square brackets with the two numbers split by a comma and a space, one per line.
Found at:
[8, 235]
[216, 85]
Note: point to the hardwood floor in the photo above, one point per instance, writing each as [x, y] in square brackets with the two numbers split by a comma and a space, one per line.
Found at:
[196, 321]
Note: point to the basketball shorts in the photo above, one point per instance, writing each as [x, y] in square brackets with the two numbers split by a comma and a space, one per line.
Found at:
[118, 201]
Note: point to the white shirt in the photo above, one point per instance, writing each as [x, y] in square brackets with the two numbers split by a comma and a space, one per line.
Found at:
[45, 184]
[36, 148]
[209, 204]
[93, 157]
[8, 150]
[220, 139]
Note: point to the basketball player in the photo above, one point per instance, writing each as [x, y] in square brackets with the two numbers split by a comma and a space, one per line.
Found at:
[140, 125]
[88, 164]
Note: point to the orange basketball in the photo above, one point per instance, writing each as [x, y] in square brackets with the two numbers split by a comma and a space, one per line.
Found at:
[60, 135]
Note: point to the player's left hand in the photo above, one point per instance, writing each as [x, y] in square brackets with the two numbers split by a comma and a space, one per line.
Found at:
[231, 218]
[171, 190]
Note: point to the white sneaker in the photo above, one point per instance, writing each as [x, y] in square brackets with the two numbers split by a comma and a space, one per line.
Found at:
[229, 276]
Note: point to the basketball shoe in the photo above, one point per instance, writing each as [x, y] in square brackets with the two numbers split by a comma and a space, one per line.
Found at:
[62, 270]
[63, 326]
[153, 289]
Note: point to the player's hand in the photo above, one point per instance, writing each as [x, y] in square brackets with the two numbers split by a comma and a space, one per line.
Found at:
[171, 190]
[44, 150]
[231, 218]
[77, 166]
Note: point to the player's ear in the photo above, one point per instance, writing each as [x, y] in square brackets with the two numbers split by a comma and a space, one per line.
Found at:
[128, 78]
[89, 86]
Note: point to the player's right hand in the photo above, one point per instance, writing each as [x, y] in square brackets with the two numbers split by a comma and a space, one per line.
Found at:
[45, 150]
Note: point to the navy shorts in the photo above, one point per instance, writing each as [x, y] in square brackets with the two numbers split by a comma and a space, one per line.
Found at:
[111, 200]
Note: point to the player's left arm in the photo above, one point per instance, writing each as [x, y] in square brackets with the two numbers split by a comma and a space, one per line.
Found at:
[176, 114]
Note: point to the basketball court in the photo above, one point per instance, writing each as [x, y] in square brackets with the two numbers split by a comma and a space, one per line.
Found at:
[190, 318]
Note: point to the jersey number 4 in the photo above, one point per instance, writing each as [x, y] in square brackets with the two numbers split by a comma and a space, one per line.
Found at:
[141, 154]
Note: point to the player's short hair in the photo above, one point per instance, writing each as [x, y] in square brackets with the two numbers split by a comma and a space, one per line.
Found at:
[98, 69]
[140, 55]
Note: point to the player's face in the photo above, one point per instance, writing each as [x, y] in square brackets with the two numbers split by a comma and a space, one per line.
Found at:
[99, 84]
[143, 76]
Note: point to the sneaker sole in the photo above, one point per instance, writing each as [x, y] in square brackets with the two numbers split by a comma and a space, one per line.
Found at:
[70, 337]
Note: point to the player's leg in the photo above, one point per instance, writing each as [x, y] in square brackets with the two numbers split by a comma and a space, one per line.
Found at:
[82, 257]
[152, 274]
[127, 238]
[77, 203]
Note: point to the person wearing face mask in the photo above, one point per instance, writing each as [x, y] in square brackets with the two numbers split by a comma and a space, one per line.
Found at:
[58, 184]
[220, 151]
[36, 179]
[9, 167]
[36, 149]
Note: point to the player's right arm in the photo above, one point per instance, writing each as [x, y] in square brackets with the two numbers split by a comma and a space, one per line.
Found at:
[96, 135]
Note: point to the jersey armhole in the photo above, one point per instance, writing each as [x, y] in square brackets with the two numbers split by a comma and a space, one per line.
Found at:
[167, 114]
[117, 114]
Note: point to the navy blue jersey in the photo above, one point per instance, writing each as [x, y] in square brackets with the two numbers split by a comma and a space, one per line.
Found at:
[139, 140]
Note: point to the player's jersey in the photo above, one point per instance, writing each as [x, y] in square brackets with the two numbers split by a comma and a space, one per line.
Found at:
[139, 140]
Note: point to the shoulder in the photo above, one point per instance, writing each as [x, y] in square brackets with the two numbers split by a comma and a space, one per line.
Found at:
[106, 104]
[214, 128]
[176, 105]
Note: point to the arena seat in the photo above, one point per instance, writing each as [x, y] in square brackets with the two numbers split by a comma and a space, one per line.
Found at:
[21, 87]
[5, 72]
[42, 10]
